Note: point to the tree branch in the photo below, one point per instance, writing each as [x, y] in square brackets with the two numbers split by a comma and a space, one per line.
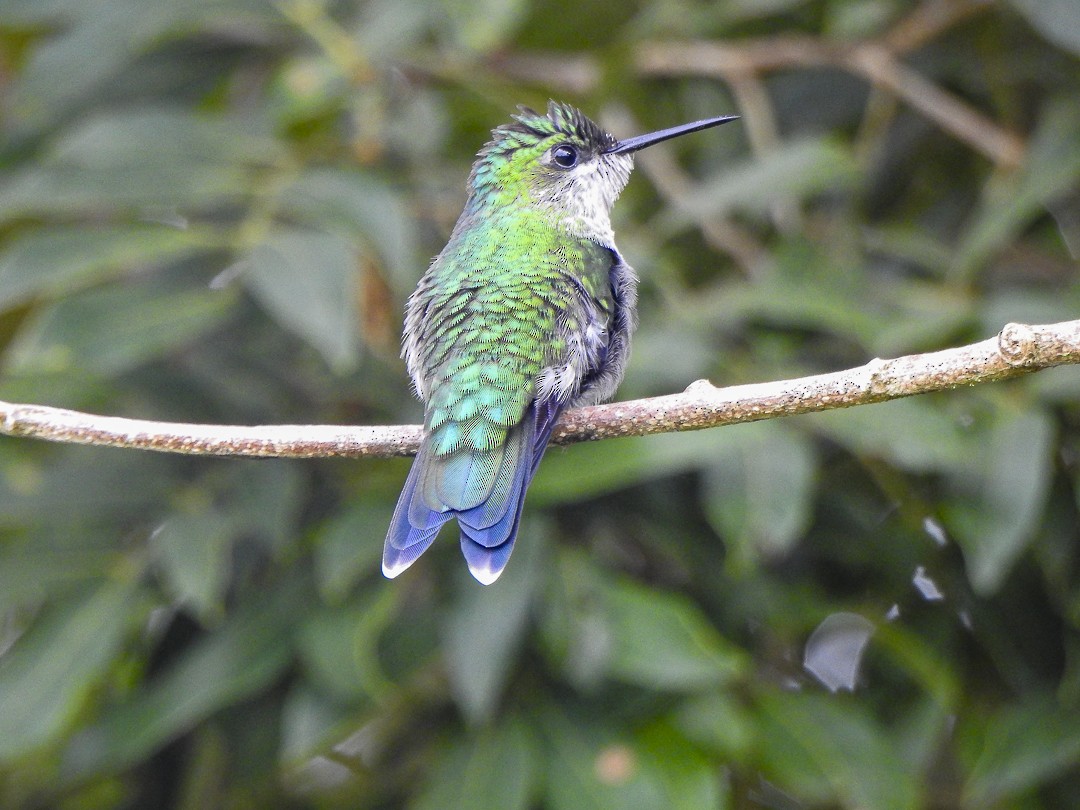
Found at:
[871, 60]
[877, 60]
[1017, 349]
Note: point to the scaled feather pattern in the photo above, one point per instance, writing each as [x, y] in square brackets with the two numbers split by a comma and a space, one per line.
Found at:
[528, 310]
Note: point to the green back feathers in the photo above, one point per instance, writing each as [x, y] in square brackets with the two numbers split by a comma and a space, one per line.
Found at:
[527, 310]
[496, 307]
[484, 344]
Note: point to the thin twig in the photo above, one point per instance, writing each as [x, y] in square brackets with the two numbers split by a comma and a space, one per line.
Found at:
[1017, 349]
[878, 60]
[763, 133]
[962, 121]
[871, 60]
[929, 20]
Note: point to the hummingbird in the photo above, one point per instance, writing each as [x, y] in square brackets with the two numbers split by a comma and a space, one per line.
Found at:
[527, 311]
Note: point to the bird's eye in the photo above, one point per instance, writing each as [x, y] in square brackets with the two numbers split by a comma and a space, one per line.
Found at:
[565, 156]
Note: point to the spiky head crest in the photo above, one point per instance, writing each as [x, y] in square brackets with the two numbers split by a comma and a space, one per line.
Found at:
[530, 128]
[556, 161]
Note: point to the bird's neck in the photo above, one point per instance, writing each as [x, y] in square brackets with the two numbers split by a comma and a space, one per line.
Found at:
[579, 216]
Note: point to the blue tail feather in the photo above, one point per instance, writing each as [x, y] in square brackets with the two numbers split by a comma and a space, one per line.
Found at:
[491, 529]
[486, 564]
[464, 479]
[488, 528]
[509, 484]
[396, 560]
[547, 414]
[413, 527]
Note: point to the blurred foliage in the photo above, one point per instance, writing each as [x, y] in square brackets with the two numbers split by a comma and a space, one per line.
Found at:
[213, 211]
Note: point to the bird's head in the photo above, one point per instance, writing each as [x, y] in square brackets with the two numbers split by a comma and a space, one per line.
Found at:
[564, 164]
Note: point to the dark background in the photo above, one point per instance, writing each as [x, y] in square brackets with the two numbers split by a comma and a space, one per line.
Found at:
[213, 212]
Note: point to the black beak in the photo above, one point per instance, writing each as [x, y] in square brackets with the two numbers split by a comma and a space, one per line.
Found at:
[641, 141]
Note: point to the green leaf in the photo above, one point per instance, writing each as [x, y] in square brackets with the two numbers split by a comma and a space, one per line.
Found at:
[194, 550]
[758, 490]
[859, 20]
[689, 779]
[173, 137]
[912, 434]
[837, 740]
[1052, 170]
[662, 641]
[36, 13]
[592, 766]
[378, 614]
[587, 470]
[486, 627]
[307, 281]
[718, 721]
[915, 316]
[80, 486]
[1024, 746]
[52, 261]
[46, 566]
[596, 628]
[484, 25]
[112, 329]
[665, 360]
[355, 204]
[309, 722]
[811, 286]
[792, 171]
[1028, 305]
[46, 678]
[908, 242]
[595, 766]
[341, 648]
[346, 550]
[388, 27]
[492, 767]
[96, 43]
[152, 162]
[241, 657]
[261, 498]
[1014, 477]
[326, 653]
